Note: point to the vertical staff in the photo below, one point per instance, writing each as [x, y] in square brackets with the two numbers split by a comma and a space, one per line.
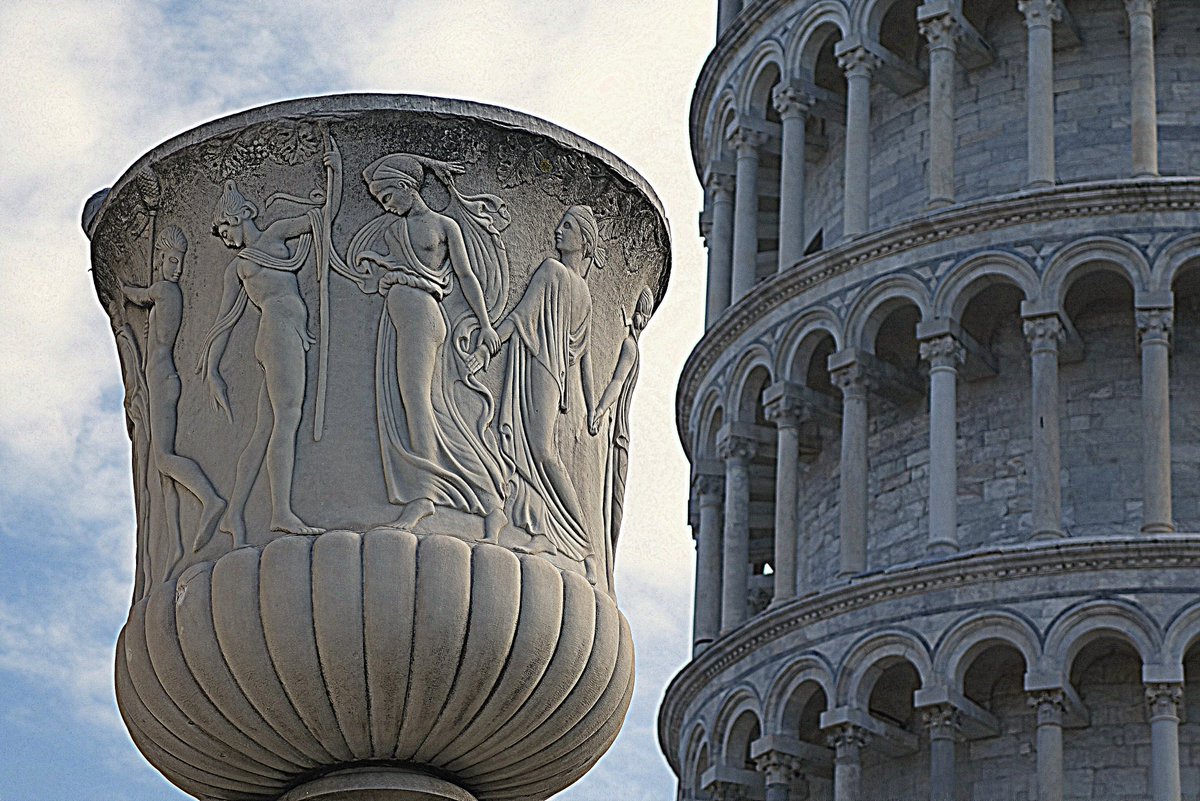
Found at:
[324, 252]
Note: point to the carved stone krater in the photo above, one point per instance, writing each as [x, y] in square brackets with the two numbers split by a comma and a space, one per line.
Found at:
[378, 354]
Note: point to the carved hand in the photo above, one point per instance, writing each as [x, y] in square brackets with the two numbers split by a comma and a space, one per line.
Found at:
[333, 158]
[594, 424]
[490, 339]
[479, 359]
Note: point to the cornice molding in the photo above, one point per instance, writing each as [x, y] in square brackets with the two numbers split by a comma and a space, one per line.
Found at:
[1029, 560]
[1093, 199]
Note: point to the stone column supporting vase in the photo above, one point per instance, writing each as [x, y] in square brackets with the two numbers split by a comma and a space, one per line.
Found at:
[378, 354]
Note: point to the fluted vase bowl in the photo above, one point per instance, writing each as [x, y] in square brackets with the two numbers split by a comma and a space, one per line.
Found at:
[378, 355]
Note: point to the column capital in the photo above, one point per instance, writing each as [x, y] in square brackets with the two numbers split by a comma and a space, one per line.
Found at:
[784, 405]
[1044, 333]
[941, 32]
[1139, 7]
[736, 447]
[708, 489]
[719, 182]
[791, 101]
[942, 720]
[728, 791]
[1154, 325]
[1049, 704]
[850, 378]
[1040, 13]
[1164, 700]
[846, 737]
[705, 224]
[777, 767]
[858, 61]
[943, 351]
[746, 141]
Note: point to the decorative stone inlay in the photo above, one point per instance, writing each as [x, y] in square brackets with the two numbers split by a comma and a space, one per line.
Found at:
[943, 351]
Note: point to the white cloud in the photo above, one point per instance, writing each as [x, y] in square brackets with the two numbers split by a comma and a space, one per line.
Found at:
[86, 87]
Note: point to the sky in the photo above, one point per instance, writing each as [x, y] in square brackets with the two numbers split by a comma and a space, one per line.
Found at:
[85, 88]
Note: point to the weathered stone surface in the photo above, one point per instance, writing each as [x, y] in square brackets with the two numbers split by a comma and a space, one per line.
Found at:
[378, 354]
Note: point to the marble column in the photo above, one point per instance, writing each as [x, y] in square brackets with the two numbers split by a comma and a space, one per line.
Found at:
[1154, 331]
[1049, 705]
[941, 32]
[720, 245]
[852, 499]
[779, 770]
[737, 451]
[1044, 335]
[745, 211]
[1164, 700]
[942, 723]
[793, 106]
[707, 609]
[847, 742]
[858, 64]
[1040, 16]
[784, 410]
[943, 353]
[1143, 90]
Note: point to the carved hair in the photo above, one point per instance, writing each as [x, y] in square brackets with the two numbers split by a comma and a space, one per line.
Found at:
[171, 238]
[593, 250]
[231, 205]
[394, 168]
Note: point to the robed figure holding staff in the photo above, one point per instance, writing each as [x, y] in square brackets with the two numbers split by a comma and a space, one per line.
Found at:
[444, 277]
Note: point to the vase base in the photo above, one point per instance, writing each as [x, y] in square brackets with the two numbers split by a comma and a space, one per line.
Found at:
[378, 784]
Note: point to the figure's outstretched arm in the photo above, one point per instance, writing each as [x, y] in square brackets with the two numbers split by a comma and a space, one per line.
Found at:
[587, 380]
[625, 362]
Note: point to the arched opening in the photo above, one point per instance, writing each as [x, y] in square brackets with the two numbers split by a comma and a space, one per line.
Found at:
[994, 679]
[1101, 406]
[762, 107]
[1106, 672]
[1185, 403]
[993, 421]
[752, 409]
[802, 719]
[744, 731]
[817, 508]
[1189, 723]
[898, 432]
[825, 138]
[695, 787]
[891, 701]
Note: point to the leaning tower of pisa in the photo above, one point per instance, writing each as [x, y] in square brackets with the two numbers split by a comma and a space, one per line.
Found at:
[944, 421]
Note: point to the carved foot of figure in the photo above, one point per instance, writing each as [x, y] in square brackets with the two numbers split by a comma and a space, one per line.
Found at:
[538, 543]
[210, 515]
[290, 523]
[413, 513]
[493, 524]
[589, 567]
[233, 524]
